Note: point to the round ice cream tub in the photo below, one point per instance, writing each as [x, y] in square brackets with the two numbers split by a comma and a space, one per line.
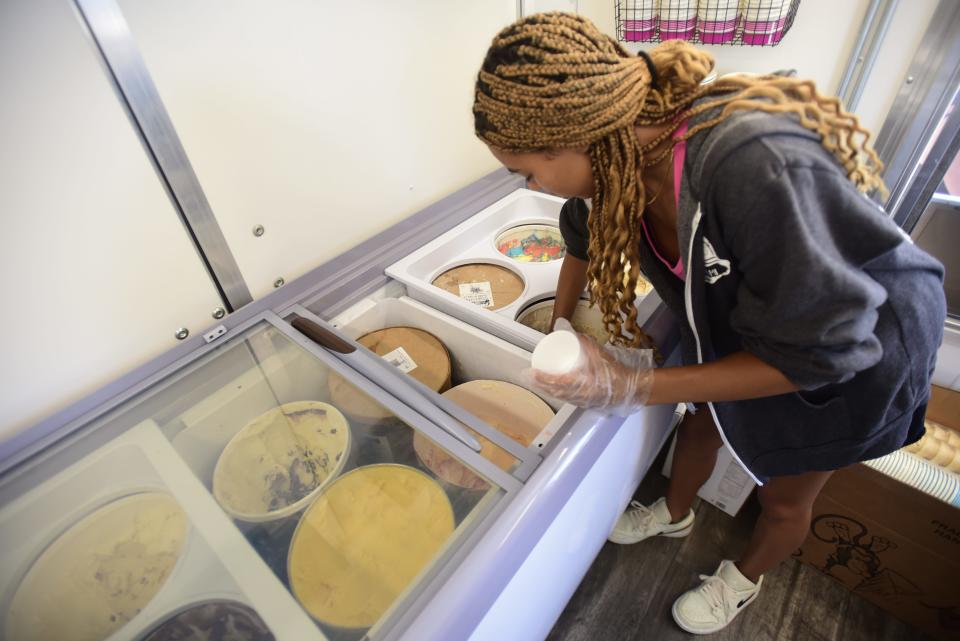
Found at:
[485, 284]
[98, 575]
[586, 320]
[378, 435]
[363, 541]
[278, 462]
[516, 412]
[220, 619]
[532, 243]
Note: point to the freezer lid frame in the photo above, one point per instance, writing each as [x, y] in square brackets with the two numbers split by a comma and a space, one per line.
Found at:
[90, 438]
[527, 458]
[333, 285]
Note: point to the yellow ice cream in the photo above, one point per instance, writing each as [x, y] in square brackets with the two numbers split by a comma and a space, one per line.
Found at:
[364, 540]
[101, 572]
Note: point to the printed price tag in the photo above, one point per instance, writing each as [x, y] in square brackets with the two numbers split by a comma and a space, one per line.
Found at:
[401, 360]
[477, 293]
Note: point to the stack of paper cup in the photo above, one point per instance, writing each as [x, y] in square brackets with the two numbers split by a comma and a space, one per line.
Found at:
[640, 19]
[763, 21]
[717, 20]
[678, 19]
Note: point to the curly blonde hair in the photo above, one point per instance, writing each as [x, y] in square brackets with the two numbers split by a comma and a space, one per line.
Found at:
[553, 81]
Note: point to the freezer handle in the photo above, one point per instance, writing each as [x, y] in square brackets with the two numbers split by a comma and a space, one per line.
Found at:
[405, 389]
[322, 336]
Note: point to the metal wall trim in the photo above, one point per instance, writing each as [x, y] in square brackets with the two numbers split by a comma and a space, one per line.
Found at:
[861, 63]
[127, 70]
[923, 100]
[856, 54]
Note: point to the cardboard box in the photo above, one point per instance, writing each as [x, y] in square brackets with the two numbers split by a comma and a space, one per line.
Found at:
[890, 543]
[727, 488]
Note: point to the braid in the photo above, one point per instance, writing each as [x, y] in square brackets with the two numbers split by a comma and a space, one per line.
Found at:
[554, 81]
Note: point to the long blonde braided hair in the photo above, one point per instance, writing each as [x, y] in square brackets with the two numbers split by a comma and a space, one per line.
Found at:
[554, 81]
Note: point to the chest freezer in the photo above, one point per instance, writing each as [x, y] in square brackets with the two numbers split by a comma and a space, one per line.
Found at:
[265, 486]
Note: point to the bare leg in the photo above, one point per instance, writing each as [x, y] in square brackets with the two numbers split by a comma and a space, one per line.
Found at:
[693, 460]
[787, 504]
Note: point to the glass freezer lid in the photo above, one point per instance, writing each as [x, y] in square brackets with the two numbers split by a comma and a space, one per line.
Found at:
[349, 497]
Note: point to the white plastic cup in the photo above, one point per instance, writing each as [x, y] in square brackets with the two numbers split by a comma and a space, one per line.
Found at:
[761, 16]
[677, 10]
[718, 15]
[678, 19]
[557, 353]
[763, 21]
[640, 10]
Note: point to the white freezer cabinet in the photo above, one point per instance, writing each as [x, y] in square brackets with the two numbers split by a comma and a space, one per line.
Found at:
[266, 486]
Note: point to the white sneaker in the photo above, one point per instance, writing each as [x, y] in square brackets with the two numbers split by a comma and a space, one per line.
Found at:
[640, 522]
[718, 600]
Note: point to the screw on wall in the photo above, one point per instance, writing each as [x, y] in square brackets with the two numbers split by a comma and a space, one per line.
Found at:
[258, 230]
[279, 282]
[181, 333]
[219, 313]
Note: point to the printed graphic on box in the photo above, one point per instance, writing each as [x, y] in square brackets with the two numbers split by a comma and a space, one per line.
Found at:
[859, 553]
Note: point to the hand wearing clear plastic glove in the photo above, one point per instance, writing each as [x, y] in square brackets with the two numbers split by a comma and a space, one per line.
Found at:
[614, 380]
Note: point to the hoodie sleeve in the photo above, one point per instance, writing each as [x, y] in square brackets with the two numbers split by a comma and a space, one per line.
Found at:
[802, 238]
[573, 227]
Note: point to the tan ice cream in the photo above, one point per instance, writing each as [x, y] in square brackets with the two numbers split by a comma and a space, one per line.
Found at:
[414, 351]
[586, 320]
[364, 539]
[101, 572]
[518, 413]
[280, 458]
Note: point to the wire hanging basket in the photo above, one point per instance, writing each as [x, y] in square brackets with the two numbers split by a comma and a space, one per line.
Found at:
[756, 23]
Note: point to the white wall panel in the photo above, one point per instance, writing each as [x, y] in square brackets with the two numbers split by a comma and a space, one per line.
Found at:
[324, 122]
[96, 271]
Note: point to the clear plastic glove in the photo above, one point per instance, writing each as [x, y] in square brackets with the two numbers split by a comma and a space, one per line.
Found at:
[615, 380]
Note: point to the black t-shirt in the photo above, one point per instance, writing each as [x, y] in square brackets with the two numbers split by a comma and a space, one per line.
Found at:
[573, 227]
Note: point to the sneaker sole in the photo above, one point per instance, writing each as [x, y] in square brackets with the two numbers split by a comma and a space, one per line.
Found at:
[628, 540]
[676, 619]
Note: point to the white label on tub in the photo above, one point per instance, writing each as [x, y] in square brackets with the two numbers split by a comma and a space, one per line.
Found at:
[401, 360]
[477, 293]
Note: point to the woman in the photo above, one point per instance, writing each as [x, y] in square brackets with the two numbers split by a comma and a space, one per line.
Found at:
[811, 322]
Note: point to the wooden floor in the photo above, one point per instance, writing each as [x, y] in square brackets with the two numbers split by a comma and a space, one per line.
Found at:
[628, 592]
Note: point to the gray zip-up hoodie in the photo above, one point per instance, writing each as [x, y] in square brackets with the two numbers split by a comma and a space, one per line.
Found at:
[786, 260]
